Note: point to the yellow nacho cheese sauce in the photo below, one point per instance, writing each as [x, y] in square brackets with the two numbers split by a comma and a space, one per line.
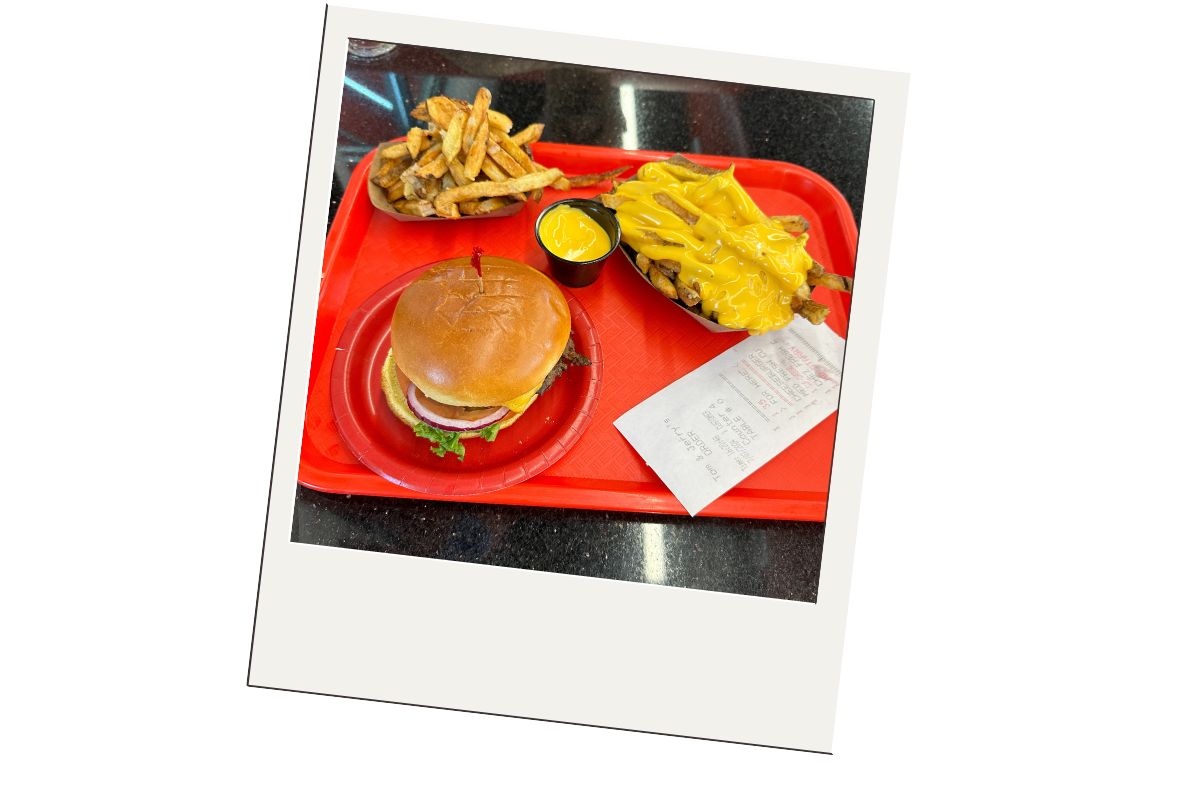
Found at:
[746, 265]
[572, 235]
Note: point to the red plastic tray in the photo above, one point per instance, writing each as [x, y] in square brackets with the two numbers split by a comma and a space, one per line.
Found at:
[648, 342]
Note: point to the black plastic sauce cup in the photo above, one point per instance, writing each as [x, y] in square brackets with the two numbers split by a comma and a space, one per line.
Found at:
[580, 273]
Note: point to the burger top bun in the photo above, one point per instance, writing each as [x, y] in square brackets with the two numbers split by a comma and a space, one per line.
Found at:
[464, 348]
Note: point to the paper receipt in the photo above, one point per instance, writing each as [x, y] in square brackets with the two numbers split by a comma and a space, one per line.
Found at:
[713, 427]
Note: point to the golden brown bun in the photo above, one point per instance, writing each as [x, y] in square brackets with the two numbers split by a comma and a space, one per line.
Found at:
[394, 390]
[466, 349]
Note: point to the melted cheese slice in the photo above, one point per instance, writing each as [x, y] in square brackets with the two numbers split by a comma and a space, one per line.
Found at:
[519, 404]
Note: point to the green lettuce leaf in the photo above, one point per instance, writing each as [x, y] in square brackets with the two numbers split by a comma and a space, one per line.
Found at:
[443, 441]
[489, 433]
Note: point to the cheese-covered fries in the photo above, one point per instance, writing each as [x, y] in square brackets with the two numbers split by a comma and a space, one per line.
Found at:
[701, 241]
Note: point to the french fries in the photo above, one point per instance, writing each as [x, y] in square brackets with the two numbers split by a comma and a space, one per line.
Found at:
[452, 138]
[484, 206]
[528, 135]
[661, 226]
[578, 181]
[466, 162]
[472, 191]
[513, 150]
[663, 283]
[395, 151]
[506, 161]
[415, 142]
[793, 223]
[692, 166]
[688, 295]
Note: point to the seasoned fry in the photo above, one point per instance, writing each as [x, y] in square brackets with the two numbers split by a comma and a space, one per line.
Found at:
[669, 267]
[513, 150]
[458, 173]
[416, 174]
[643, 263]
[505, 161]
[441, 110]
[384, 164]
[528, 135]
[817, 276]
[810, 309]
[610, 200]
[479, 189]
[472, 207]
[431, 153]
[839, 283]
[385, 179]
[394, 151]
[793, 223]
[385, 167]
[498, 121]
[452, 138]
[692, 166]
[419, 208]
[666, 202]
[479, 109]
[396, 192]
[657, 238]
[492, 170]
[662, 283]
[435, 168]
[477, 154]
[421, 112]
[562, 184]
[416, 141]
[688, 295]
[578, 181]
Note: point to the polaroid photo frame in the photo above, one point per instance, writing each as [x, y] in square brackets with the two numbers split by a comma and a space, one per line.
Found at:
[551, 646]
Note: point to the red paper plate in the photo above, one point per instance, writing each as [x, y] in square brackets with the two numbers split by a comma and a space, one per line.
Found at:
[387, 446]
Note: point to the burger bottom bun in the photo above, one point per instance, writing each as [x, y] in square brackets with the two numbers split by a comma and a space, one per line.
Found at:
[394, 390]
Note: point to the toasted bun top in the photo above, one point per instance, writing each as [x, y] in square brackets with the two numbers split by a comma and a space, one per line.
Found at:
[464, 348]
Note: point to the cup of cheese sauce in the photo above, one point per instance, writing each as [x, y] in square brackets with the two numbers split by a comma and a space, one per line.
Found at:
[578, 236]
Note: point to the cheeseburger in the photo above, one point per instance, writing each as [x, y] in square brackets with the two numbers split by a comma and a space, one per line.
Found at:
[473, 348]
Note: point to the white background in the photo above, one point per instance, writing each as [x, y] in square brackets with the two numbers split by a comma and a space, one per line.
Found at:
[1022, 618]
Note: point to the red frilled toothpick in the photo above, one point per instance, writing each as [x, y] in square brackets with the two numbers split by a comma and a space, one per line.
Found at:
[477, 263]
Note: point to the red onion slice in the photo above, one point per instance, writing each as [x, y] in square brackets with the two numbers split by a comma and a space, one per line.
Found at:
[448, 423]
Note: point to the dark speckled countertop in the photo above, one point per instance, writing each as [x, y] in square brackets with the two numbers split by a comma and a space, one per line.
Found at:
[825, 133]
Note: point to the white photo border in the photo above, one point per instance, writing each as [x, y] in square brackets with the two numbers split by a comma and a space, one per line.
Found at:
[543, 645]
